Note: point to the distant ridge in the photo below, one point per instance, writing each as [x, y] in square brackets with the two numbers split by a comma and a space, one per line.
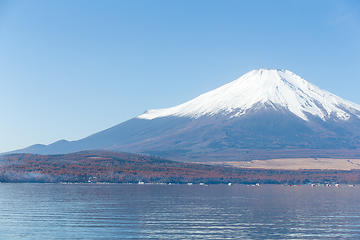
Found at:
[266, 113]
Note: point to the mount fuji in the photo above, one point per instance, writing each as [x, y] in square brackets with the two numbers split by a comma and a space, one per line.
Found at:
[264, 114]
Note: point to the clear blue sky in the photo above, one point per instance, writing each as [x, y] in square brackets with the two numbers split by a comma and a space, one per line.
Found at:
[72, 68]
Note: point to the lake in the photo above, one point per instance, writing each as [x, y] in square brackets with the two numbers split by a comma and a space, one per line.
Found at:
[131, 211]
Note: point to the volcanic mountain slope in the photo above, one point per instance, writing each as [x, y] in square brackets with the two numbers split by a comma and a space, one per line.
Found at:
[263, 114]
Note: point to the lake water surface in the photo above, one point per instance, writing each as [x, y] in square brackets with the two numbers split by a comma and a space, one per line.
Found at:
[120, 211]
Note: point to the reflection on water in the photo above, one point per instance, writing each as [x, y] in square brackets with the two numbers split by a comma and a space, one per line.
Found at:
[84, 211]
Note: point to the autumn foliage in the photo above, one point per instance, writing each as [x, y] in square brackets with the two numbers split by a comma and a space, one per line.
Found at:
[102, 166]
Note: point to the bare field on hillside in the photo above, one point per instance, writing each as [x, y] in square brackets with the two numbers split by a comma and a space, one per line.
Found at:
[295, 164]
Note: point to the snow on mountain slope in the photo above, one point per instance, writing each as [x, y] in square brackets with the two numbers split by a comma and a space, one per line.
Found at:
[259, 88]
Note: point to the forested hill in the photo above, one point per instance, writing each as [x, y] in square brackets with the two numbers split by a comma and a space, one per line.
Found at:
[114, 167]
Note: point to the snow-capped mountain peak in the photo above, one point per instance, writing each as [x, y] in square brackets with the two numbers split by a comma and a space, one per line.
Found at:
[263, 88]
[263, 114]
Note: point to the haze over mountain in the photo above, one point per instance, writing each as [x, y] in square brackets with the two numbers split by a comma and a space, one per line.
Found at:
[266, 113]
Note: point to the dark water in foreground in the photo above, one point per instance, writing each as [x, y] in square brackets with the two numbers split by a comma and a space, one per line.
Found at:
[84, 211]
